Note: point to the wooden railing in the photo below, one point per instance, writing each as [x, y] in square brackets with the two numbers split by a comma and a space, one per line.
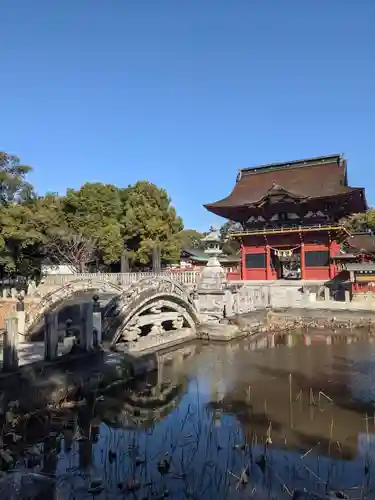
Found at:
[124, 279]
[292, 228]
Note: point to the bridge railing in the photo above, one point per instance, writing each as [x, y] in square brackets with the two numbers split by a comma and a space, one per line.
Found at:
[124, 279]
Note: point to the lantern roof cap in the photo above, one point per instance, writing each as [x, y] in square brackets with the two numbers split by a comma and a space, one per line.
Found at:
[213, 236]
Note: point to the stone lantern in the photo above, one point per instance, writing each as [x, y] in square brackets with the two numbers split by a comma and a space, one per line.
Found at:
[212, 277]
[212, 244]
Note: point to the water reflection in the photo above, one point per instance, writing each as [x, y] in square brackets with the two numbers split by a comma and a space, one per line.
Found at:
[148, 400]
[272, 417]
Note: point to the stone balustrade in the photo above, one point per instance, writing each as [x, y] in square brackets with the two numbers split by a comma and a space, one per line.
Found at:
[54, 281]
[123, 279]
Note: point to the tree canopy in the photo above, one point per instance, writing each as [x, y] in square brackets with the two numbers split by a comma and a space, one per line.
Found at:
[230, 246]
[93, 225]
[190, 238]
[149, 219]
[360, 222]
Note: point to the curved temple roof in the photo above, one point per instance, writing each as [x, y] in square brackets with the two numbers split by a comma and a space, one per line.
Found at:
[320, 177]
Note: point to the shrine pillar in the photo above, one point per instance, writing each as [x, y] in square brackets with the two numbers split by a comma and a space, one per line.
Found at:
[302, 260]
[333, 249]
[243, 263]
[268, 263]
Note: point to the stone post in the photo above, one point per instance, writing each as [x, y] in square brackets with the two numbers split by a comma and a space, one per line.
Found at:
[5, 293]
[347, 296]
[68, 339]
[51, 336]
[327, 295]
[20, 308]
[10, 352]
[124, 263]
[87, 328]
[97, 321]
[68, 326]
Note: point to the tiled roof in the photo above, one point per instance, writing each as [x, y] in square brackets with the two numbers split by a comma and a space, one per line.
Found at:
[361, 242]
[312, 178]
[361, 267]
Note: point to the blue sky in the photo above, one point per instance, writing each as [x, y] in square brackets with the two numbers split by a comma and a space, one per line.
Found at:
[185, 92]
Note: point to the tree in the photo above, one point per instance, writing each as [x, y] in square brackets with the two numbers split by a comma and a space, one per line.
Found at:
[149, 219]
[57, 242]
[359, 222]
[17, 236]
[190, 238]
[230, 246]
[72, 249]
[97, 221]
[13, 185]
[94, 212]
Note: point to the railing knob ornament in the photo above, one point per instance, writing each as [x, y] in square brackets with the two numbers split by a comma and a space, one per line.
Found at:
[96, 306]
[68, 325]
[20, 306]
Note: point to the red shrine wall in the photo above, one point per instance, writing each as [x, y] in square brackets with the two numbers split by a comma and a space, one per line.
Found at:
[315, 251]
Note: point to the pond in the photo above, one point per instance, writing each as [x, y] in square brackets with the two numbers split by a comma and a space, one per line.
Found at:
[277, 417]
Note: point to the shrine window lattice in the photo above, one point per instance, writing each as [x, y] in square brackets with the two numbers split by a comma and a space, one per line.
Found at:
[317, 258]
[255, 261]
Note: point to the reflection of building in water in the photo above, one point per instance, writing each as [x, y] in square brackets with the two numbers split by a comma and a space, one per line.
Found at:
[366, 445]
[153, 397]
[297, 393]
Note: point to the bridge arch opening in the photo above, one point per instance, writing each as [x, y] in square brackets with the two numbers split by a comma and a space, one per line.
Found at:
[151, 307]
[64, 297]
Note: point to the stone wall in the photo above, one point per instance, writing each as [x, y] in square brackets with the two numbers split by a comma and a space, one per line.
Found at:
[8, 307]
[242, 299]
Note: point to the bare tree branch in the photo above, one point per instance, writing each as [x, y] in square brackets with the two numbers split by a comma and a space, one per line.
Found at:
[72, 249]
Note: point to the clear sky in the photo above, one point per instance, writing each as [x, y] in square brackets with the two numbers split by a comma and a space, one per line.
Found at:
[185, 92]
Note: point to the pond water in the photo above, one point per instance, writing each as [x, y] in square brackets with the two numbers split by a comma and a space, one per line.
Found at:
[279, 417]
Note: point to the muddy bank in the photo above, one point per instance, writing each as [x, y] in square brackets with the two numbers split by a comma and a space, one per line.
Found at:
[40, 384]
[283, 320]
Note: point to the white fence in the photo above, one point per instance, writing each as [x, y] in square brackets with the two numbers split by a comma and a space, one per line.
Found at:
[124, 279]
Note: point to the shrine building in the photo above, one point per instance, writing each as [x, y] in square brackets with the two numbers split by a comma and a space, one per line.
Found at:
[286, 217]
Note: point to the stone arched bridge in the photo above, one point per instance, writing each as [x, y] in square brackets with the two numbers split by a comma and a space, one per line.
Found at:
[148, 307]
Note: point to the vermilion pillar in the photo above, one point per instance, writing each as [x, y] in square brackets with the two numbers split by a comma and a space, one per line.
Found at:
[332, 267]
[302, 261]
[268, 263]
[243, 262]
